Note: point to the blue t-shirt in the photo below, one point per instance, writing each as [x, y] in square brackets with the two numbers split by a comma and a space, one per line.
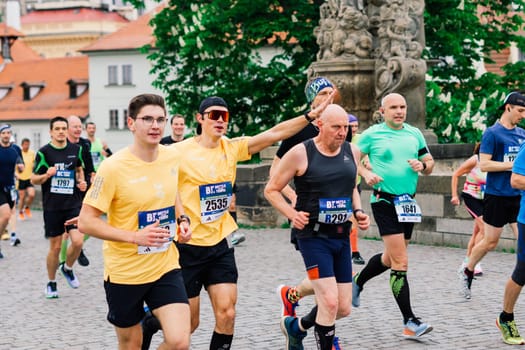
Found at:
[519, 168]
[9, 157]
[503, 144]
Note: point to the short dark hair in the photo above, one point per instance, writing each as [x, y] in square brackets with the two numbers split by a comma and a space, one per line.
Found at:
[57, 119]
[139, 101]
[173, 117]
[25, 139]
[90, 123]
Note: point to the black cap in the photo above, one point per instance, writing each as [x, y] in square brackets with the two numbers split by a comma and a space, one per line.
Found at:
[211, 101]
[514, 98]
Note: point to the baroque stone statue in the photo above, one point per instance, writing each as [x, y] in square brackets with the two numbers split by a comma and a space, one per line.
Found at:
[381, 38]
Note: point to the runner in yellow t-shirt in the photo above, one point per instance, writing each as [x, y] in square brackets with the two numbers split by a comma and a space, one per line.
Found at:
[137, 188]
[206, 179]
[26, 190]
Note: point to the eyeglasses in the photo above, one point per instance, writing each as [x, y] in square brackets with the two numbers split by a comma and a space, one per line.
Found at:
[148, 120]
[216, 114]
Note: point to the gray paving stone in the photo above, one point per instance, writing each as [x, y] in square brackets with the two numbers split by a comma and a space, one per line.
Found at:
[77, 320]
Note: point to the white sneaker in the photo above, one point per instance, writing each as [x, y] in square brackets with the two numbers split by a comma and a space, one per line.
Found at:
[14, 240]
[478, 271]
[464, 285]
[238, 238]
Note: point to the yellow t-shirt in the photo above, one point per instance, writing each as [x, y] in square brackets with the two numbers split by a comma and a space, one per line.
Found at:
[125, 188]
[206, 177]
[29, 159]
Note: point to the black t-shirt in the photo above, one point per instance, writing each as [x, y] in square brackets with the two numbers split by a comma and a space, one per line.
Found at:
[306, 133]
[87, 160]
[167, 140]
[58, 192]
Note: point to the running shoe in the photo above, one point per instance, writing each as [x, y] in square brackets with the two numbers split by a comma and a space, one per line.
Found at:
[5, 236]
[357, 259]
[287, 307]
[478, 271]
[415, 328]
[356, 291]
[335, 345]
[238, 238]
[150, 326]
[69, 275]
[82, 259]
[21, 216]
[294, 336]
[27, 212]
[51, 290]
[509, 332]
[1, 255]
[14, 240]
[464, 284]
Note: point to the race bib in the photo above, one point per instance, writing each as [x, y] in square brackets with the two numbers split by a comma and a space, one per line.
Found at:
[63, 182]
[215, 200]
[166, 218]
[13, 193]
[334, 210]
[407, 209]
[97, 158]
[511, 152]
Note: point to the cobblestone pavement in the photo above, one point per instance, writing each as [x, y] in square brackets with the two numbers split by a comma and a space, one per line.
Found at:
[77, 320]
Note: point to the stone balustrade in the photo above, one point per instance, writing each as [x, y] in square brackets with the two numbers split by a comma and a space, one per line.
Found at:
[442, 224]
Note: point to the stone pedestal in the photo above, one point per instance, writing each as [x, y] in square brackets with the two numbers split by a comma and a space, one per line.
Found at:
[355, 81]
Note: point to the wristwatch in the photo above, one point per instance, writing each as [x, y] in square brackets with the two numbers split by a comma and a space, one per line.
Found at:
[183, 218]
[307, 117]
[357, 210]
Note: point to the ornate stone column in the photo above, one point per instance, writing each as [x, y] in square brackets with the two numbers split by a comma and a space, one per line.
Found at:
[372, 48]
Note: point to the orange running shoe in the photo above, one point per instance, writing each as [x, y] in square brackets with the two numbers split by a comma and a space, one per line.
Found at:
[27, 212]
[287, 307]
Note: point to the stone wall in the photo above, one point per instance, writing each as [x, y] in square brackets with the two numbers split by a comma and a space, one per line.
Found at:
[442, 224]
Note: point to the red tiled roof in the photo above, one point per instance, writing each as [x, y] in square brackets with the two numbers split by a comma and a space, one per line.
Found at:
[71, 15]
[20, 52]
[6, 30]
[131, 36]
[54, 98]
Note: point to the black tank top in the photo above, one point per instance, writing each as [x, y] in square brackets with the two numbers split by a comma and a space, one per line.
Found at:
[325, 178]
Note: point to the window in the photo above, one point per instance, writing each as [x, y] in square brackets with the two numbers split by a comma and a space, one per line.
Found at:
[112, 75]
[5, 89]
[124, 118]
[37, 142]
[521, 55]
[31, 89]
[113, 119]
[77, 87]
[127, 78]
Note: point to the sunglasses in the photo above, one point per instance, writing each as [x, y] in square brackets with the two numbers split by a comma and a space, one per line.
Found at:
[215, 115]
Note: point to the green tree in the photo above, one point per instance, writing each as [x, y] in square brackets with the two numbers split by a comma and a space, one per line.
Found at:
[211, 48]
[459, 34]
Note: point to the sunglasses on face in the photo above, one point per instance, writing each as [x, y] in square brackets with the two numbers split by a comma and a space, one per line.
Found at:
[215, 115]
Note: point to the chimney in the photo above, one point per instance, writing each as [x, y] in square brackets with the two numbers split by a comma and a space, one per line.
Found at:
[12, 9]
